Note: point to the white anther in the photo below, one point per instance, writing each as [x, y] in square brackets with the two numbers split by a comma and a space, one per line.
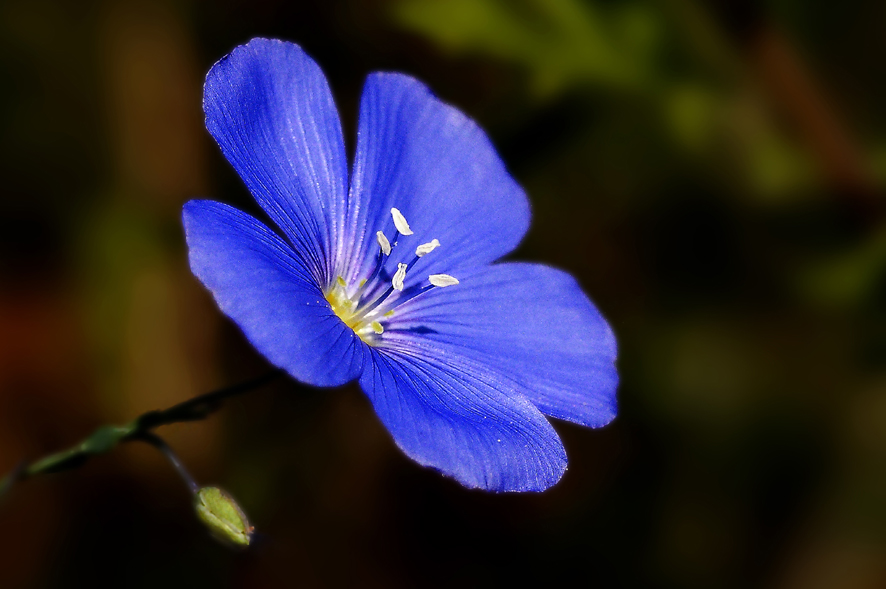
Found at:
[383, 243]
[400, 222]
[399, 276]
[426, 248]
[442, 280]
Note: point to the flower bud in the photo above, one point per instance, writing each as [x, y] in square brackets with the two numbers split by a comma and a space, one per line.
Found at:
[220, 513]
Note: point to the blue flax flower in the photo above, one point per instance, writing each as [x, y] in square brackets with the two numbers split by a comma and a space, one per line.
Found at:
[388, 276]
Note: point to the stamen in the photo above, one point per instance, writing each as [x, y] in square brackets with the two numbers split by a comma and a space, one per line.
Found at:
[363, 309]
[400, 275]
[383, 243]
[427, 248]
[442, 280]
[400, 222]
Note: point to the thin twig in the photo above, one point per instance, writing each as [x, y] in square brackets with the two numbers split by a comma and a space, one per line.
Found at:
[200, 407]
[159, 443]
[107, 437]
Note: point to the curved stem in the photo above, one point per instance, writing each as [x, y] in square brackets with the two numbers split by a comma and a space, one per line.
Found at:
[200, 407]
[159, 443]
[107, 437]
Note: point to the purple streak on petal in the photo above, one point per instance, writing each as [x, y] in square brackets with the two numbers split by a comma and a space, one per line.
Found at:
[271, 294]
[270, 109]
[526, 323]
[438, 167]
[464, 426]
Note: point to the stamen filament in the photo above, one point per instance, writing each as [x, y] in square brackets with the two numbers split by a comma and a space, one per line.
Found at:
[379, 264]
[364, 312]
[416, 293]
[412, 263]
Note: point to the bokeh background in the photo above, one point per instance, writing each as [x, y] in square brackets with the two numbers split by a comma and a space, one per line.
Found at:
[710, 170]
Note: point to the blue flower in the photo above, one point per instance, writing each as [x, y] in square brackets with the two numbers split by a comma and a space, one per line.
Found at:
[388, 276]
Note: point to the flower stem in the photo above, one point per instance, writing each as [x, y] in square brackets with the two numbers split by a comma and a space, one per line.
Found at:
[159, 443]
[107, 437]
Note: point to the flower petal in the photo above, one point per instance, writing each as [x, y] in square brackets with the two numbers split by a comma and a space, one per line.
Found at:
[436, 166]
[529, 324]
[270, 109]
[462, 425]
[258, 282]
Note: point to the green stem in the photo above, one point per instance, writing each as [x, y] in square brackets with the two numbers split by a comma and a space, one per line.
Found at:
[107, 437]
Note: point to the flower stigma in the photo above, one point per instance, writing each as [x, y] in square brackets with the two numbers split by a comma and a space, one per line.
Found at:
[368, 306]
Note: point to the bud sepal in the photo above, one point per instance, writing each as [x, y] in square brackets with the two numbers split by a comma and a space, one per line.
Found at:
[220, 513]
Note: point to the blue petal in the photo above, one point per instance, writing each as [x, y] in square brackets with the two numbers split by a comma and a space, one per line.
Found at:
[527, 324]
[438, 167]
[269, 292]
[469, 428]
[270, 109]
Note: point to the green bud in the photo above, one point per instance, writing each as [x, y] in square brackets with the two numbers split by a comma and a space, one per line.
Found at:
[224, 518]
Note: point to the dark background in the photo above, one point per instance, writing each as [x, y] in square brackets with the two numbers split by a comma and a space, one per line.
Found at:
[711, 172]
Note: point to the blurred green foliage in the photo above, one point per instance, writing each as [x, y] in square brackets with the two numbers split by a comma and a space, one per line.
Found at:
[560, 43]
[666, 54]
